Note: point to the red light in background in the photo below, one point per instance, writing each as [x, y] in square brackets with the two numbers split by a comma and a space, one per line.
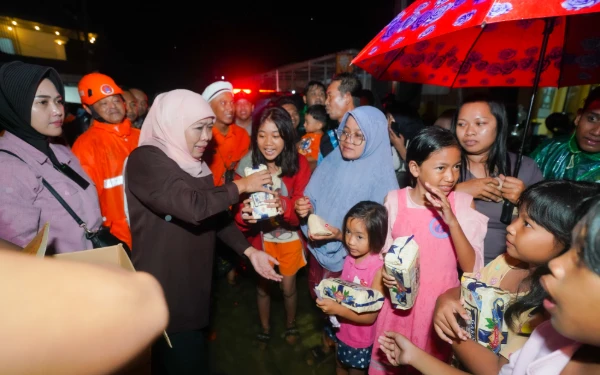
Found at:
[264, 91]
[247, 91]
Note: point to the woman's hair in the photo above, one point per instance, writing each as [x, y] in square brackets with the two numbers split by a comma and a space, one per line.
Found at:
[288, 158]
[497, 162]
[375, 217]
[588, 237]
[427, 141]
[556, 206]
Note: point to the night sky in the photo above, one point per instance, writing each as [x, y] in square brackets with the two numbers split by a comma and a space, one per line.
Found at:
[185, 46]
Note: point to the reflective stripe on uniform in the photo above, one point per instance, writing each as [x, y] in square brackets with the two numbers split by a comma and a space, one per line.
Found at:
[113, 182]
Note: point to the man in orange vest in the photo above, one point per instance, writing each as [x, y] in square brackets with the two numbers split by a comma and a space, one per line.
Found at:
[230, 143]
[103, 148]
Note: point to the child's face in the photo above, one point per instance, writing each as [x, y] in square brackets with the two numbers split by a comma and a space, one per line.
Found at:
[529, 242]
[311, 125]
[574, 299]
[269, 140]
[441, 170]
[357, 238]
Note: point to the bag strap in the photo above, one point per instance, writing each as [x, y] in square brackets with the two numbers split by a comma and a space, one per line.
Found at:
[56, 195]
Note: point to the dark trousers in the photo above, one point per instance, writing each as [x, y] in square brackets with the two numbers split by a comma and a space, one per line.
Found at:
[188, 355]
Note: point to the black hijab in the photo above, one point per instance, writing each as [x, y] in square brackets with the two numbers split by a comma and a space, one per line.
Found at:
[18, 84]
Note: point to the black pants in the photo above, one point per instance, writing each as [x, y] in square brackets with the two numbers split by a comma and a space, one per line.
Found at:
[188, 355]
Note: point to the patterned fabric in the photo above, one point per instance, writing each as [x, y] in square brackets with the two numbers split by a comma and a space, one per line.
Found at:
[486, 43]
[349, 356]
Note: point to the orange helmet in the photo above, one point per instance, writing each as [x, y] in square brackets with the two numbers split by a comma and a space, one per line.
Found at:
[96, 86]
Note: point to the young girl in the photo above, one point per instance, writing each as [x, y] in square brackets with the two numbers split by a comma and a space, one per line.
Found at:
[541, 232]
[570, 298]
[447, 229]
[365, 232]
[273, 145]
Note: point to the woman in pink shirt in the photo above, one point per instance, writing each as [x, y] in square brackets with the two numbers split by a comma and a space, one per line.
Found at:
[365, 232]
[31, 113]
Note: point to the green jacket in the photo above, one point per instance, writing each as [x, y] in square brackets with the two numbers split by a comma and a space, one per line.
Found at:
[561, 159]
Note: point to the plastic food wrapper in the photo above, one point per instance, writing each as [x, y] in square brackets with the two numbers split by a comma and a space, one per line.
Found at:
[260, 209]
[356, 297]
[316, 226]
[486, 306]
[402, 262]
[334, 322]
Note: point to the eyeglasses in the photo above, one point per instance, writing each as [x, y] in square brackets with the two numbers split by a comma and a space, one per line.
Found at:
[356, 139]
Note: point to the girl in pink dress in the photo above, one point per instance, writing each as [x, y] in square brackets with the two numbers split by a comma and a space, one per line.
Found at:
[449, 233]
[365, 232]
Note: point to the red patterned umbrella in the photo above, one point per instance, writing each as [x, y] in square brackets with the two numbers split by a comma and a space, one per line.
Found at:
[468, 43]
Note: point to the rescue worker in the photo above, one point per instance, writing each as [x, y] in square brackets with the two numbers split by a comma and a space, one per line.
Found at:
[103, 148]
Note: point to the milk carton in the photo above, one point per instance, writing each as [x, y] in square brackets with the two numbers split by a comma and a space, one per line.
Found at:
[402, 262]
[260, 209]
[486, 306]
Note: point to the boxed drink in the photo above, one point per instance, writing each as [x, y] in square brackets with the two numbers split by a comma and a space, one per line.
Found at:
[354, 296]
[260, 209]
[486, 306]
[402, 262]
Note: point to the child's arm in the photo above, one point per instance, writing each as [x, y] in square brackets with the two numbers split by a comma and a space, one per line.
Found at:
[464, 250]
[478, 359]
[333, 308]
[400, 351]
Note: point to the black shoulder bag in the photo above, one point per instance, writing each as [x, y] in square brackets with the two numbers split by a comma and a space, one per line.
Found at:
[100, 238]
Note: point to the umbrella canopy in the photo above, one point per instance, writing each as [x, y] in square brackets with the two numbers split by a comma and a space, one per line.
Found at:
[474, 43]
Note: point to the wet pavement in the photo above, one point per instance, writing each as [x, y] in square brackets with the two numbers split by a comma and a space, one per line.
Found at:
[233, 346]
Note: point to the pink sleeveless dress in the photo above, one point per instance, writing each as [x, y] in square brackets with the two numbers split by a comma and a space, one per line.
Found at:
[438, 271]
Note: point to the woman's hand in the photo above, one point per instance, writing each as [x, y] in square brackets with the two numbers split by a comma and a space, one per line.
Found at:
[329, 306]
[486, 189]
[255, 182]
[247, 212]
[440, 202]
[397, 348]
[336, 234]
[445, 323]
[511, 188]
[303, 207]
[261, 262]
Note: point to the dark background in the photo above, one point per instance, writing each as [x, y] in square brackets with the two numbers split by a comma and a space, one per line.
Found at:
[188, 44]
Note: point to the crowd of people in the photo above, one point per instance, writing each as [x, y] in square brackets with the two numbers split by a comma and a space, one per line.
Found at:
[171, 185]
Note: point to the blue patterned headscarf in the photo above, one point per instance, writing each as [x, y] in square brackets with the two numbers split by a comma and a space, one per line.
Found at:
[338, 184]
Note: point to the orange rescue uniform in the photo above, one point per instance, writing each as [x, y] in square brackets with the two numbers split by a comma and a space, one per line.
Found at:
[225, 151]
[102, 151]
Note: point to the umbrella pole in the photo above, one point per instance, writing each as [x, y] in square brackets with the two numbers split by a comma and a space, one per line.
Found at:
[508, 207]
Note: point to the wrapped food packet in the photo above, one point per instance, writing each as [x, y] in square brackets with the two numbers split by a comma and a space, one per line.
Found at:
[334, 322]
[316, 226]
[486, 306]
[260, 209]
[402, 262]
[356, 297]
